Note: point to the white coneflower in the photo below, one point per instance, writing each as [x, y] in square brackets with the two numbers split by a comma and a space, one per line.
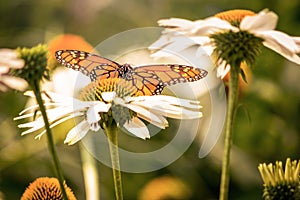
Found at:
[9, 60]
[230, 37]
[99, 104]
[281, 182]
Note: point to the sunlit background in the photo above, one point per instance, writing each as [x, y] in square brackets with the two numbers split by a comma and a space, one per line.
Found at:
[267, 127]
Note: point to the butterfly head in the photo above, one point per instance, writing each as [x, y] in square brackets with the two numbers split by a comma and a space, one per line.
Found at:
[124, 69]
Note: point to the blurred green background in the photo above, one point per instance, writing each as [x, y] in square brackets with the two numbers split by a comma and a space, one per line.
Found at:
[272, 98]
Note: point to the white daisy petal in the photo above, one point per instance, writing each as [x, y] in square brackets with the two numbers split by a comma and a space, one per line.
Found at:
[223, 69]
[282, 44]
[34, 126]
[39, 136]
[8, 53]
[15, 63]
[77, 133]
[162, 123]
[210, 26]
[182, 42]
[92, 115]
[151, 101]
[14, 82]
[177, 23]
[95, 126]
[147, 115]
[137, 127]
[263, 21]
[297, 41]
[176, 112]
[4, 69]
[108, 96]
[55, 124]
[161, 42]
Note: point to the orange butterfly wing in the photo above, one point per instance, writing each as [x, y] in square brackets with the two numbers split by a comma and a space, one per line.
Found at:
[94, 66]
[151, 79]
[147, 80]
[145, 83]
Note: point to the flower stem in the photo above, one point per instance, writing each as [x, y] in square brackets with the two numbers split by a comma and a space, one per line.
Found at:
[90, 173]
[111, 132]
[232, 102]
[51, 148]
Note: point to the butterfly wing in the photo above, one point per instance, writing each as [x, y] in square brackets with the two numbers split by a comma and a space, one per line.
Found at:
[144, 83]
[151, 79]
[92, 65]
[147, 80]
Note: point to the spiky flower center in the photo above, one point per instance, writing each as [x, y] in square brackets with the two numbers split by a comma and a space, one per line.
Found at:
[280, 183]
[35, 68]
[235, 47]
[93, 91]
[234, 17]
[118, 114]
[46, 188]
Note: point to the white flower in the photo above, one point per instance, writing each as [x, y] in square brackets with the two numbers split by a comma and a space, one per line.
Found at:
[153, 109]
[60, 108]
[261, 25]
[9, 60]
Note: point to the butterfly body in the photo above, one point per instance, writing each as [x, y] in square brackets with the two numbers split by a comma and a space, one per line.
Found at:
[148, 80]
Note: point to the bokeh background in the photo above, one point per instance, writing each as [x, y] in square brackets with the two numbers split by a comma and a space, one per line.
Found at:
[270, 132]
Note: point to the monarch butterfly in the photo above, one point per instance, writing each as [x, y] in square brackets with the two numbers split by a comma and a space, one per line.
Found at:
[148, 80]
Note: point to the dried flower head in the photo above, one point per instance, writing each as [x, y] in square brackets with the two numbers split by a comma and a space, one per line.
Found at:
[45, 188]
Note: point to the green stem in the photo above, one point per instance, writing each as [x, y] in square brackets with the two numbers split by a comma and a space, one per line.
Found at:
[111, 132]
[51, 148]
[232, 102]
[90, 172]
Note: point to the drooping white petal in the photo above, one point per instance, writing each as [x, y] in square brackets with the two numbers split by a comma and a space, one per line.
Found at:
[93, 111]
[34, 126]
[77, 133]
[4, 69]
[53, 115]
[156, 100]
[210, 26]
[12, 63]
[222, 69]
[148, 116]
[176, 112]
[14, 82]
[176, 23]
[205, 47]
[263, 21]
[281, 43]
[137, 127]
[297, 41]
[8, 53]
[108, 96]
[56, 123]
[178, 44]
[92, 116]
[162, 123]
